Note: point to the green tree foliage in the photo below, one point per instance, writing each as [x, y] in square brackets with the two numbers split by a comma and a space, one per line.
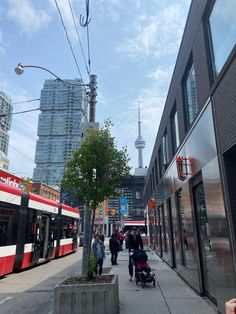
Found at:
[93, 173]
[97, 168]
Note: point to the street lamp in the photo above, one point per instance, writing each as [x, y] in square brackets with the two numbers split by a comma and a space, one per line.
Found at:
[20, 70]
[92, 86]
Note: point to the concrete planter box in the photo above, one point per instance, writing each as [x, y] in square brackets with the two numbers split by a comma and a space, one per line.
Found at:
[92, 298]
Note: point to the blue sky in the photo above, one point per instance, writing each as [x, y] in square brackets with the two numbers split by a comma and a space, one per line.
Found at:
[133, 43]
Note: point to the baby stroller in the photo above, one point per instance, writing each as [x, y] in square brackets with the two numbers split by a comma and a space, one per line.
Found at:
[143, 272]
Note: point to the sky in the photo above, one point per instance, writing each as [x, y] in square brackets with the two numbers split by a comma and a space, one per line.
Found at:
[133, 50]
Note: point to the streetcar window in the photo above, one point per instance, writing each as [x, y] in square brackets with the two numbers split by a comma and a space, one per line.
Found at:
[30, 226]
[67, 227]
[8, 224]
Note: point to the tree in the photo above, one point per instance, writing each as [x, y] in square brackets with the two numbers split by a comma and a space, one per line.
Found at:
[92, 174]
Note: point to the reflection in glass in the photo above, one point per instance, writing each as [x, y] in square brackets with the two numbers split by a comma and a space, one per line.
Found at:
[191, 95]
[223, 32]
[175, 130]
[165, 151]
[204, 232]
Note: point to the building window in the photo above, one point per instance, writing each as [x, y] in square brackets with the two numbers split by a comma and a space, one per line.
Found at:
[190, 94]
[175, 130]
[138, 195]
[222, 24]
[165, 151]
[160, 163]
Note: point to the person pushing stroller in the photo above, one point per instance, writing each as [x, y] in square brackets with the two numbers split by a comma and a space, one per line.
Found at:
[134, 243]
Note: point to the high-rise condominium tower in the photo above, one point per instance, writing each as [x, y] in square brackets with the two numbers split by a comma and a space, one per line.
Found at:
[63, 107]
[5, 125]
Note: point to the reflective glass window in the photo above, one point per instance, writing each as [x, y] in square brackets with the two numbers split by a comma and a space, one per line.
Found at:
[182, 227]
[190, 95]
[175, 130]
[223, 32]
[165, 152]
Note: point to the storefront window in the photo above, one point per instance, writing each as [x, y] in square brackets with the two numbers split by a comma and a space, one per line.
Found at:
[223, 32]
[182, 227]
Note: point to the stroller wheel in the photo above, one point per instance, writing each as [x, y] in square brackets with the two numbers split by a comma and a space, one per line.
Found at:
[154, 283]
[143, 285]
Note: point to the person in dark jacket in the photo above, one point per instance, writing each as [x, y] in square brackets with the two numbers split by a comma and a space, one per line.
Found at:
[114, 249]
[135, 242]
[98, 250]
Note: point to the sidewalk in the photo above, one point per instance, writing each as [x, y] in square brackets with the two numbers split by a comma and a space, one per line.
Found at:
[171, 294]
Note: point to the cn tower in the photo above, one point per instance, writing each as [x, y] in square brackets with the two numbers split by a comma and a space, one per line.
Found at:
[139, 143]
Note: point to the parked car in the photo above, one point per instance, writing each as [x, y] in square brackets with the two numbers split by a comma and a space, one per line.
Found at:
[81, 239]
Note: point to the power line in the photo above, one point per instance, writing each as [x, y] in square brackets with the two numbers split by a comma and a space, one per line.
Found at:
[21, 153]
[72, 13]
[18, 112]
[25, 101]
[68, 39]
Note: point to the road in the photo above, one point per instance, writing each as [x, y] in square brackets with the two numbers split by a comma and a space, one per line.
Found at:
[31, 291]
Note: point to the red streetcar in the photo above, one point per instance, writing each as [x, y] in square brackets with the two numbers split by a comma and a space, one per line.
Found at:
[34, 229]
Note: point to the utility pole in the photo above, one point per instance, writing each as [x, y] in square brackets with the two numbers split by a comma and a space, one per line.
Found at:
[88, 228]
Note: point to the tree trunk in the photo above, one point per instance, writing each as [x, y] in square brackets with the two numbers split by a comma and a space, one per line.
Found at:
[87, 240]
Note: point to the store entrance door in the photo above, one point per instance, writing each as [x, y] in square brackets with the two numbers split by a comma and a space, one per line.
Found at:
[204, 238]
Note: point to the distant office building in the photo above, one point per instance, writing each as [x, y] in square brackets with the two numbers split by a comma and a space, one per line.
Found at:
[63, 107]
[46, 191]
[132, 190]
[192, 172]
[5, 125]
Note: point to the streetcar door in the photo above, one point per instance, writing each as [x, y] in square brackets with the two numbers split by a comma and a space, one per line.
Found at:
[36, 221]
[44, 236]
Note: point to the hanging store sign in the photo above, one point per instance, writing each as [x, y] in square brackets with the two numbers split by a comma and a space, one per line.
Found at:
[180, 167]
[184, 167]
[152, 203]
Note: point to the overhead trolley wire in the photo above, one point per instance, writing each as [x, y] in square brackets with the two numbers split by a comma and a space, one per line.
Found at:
[25, 101]
[18, 112]
[77, 32]
[68, 39]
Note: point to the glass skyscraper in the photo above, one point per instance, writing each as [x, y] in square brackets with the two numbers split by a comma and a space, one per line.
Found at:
[5, 125]
[62, 107]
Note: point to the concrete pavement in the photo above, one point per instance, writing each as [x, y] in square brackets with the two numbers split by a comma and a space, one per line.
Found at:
[171, 294]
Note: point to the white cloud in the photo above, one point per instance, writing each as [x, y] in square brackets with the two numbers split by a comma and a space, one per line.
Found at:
[108, 9]
[161, 75]
[29, 18]
[67, 17]
[157, 34]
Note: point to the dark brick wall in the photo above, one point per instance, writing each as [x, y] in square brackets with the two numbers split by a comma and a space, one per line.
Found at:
[224, 106]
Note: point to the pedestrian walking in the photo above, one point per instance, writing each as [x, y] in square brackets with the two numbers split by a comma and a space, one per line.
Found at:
[98, 249]
[134, 243]
[114, 249]
[121, 240]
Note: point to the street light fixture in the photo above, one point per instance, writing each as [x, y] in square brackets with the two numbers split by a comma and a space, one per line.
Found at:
[92, 86]
[20, 70]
